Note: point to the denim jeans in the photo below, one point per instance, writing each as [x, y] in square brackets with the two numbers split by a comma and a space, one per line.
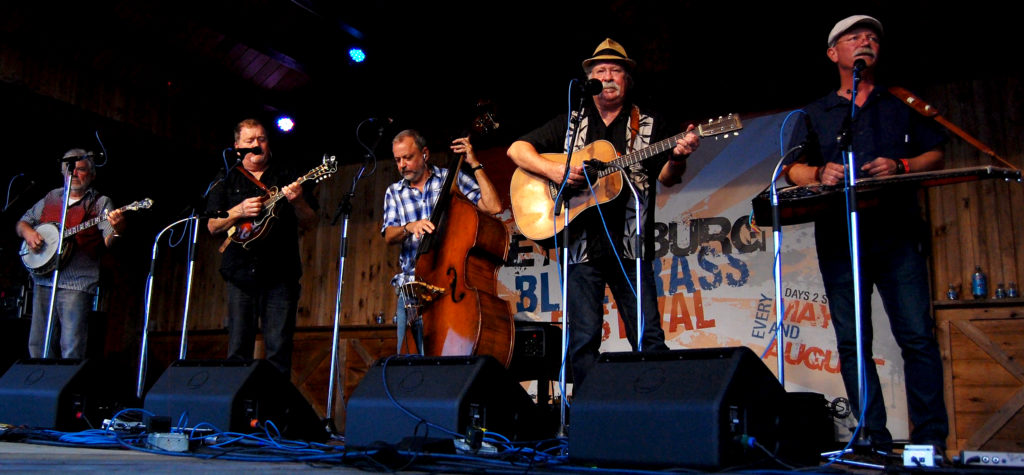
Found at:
[70, 312]
[900, 273]
[271, 308]
[586, 289]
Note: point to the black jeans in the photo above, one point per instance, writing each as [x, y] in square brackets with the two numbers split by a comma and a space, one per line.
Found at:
[273, 309]
[586, 310]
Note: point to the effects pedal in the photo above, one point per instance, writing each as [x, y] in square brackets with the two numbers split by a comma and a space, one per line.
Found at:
[991, 459]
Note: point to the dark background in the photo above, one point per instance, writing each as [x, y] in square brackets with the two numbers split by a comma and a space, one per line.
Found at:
[162, 83]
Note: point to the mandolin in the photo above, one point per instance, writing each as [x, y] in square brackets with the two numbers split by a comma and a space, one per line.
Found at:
[248, 231]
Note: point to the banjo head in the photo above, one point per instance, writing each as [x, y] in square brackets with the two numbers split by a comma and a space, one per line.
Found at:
[42, 262]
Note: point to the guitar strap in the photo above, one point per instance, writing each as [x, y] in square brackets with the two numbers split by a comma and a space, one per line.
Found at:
[252, 178]
[634, 128]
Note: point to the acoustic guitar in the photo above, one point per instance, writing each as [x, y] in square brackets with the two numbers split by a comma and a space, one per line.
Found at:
[45, 260]
[533, 196]
[247, 231]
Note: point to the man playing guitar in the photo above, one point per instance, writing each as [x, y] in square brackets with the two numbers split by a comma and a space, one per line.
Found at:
[594, 260]
[80, 267]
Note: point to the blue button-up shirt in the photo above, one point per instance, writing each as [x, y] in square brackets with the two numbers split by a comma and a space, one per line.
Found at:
[404, 204]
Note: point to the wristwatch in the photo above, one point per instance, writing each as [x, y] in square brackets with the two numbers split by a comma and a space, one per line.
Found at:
[901, 168]
[479, 166]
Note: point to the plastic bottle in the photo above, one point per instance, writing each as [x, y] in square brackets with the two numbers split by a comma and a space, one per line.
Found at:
[979, 284]
[1012, 291]
[1000, 291]
[951, 293]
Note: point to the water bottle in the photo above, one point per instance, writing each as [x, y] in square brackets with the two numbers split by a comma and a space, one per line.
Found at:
[979, 284]
[951, 293]
[1000, 291]
[1012, 291]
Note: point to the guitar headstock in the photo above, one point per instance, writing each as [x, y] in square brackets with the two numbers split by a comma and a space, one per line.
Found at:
[721, 125]
[144, 203]
[324, 170]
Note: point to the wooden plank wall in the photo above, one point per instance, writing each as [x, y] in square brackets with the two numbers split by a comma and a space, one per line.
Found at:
[369, 264]
[979, 223]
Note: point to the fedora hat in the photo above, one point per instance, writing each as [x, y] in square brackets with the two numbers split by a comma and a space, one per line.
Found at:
[609, 50]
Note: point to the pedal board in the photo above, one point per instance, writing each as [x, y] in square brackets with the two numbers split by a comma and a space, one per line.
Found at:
[991, 459]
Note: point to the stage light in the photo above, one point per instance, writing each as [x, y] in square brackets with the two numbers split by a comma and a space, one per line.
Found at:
[285, 124]
[356, 54]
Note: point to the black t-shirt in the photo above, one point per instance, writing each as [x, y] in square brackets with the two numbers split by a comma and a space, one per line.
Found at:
[274, 256]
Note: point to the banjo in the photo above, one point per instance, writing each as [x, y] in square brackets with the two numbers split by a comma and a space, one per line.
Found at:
[44, 261]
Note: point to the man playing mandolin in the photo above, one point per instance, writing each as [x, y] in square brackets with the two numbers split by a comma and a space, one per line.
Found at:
[594, 261]
[409, 202]
[262, 276]
[80, 268]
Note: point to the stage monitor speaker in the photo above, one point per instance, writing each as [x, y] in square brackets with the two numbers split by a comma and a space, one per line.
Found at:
[61, 394]
[230, 395]
[537, 354]
[686, 408]
[451, 392]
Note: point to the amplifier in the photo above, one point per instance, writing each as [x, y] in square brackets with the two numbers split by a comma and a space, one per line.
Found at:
[991, 459]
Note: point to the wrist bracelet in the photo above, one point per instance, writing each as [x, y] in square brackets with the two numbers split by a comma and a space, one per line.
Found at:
[906, 165]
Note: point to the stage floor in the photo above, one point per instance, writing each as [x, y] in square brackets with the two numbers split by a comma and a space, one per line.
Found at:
[24, 457]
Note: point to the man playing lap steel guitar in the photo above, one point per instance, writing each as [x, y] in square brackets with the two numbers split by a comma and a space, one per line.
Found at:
[888, 138]
[80, 268]
[594, 261]
[262, 275]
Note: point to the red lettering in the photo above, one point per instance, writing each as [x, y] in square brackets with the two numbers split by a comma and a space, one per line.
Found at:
[828, 366]
[826, 317]
[812, 357]
[698, 307]
[680, 315]
[806, 314]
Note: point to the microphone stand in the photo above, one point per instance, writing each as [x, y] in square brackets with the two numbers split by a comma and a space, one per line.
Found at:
[849, 167]
[69, 164]
[640, 322]
[560, 202]
[345, 210]
[777, 267]
[193, 222]
[144, 347]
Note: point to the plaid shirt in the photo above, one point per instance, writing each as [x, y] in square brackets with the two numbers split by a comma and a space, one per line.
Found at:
[404, 204]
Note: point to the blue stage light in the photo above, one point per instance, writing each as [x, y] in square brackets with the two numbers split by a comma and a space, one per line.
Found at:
[285, 124]
[357, 54]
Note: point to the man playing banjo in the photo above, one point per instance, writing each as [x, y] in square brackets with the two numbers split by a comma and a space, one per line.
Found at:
[80, 267]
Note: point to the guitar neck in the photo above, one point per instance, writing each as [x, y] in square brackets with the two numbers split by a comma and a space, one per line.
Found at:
[713, 127]
[638, 156]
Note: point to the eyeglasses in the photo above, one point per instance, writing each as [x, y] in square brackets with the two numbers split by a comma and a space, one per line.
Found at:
[853, 39]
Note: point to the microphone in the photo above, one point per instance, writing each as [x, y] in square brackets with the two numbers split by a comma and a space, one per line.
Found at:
[859, 66]
[254, 150]
[590, 87]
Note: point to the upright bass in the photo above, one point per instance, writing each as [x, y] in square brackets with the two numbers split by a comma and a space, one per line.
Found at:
[456, 277]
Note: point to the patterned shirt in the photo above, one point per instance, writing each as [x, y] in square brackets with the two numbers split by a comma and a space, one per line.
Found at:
[81, 271]
[404, 204]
